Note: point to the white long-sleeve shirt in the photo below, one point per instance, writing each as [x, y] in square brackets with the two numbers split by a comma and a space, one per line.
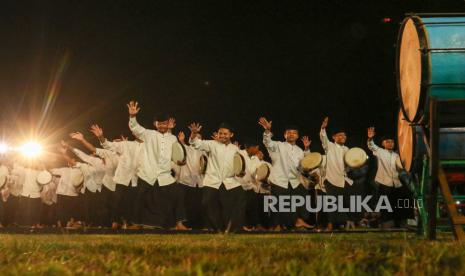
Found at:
[129, 157]
[335, 166]
[93, 170]
[65, 184]
[220, 166]
[30, 187]
[111, 162]
[156, 154]
[251, 164]
[285, 158]
[387, 170]
[189, 174]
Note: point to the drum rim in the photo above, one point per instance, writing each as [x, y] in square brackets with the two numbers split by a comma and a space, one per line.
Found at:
[425, 74]
[398, 142]
[204, 157]
[183, 150]
[243, 164]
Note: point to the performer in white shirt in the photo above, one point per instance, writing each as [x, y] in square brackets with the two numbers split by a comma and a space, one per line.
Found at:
[284, 175]
[251, 198]
[93, 170]
[107, 193]
[387, 179]
[30, 202]
[159, 195]
[222, 192]
[336, 177]
[125, 174]
[264, 220]
[68, 211]
[189, 177]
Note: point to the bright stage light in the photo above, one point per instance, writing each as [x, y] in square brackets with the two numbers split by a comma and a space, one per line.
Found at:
[31, 149]
[3, 148]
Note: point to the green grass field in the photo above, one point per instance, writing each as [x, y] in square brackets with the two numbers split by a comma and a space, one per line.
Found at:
[271, 254]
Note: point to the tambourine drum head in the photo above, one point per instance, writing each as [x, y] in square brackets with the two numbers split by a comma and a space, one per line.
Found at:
[311, 161]
[238, 164]
[405, 140]
[410, 69]
[77, 178]
[178, 153]
[263, 171]
[355, 157]
[44, 177]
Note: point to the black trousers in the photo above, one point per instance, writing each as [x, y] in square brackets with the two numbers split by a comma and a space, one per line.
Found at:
[92, 208]
[321, 218]
[145, 211]
[331, 190]
[47, 215]
[108, 213]
[252, 208]
[11, 210]
[124, 203]
[302, 211]
[285, 219]
[264, 218]
[67, 207]
[223, 207]
[193, 206]
[30, 211]
[169, 200]
[401, 202]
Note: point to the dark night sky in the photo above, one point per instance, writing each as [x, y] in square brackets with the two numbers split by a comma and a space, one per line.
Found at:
[294, 62]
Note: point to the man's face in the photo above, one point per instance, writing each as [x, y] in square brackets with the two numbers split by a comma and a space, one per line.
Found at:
[224, 135]
[340, 138]
[253, 150]
[388, 144]
[161, 126]
[291, 135]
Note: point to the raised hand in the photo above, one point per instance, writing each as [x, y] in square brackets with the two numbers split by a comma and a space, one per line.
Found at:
[182, 137]
[324, 124]
[215, 136]
[76, 136]
[133, 108]
[306, 141]
[371, 132]
[265, 123]
[171, 123]
[195, 127]
[96, 130]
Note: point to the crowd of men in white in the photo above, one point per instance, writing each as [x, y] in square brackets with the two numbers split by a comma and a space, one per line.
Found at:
[137, 184]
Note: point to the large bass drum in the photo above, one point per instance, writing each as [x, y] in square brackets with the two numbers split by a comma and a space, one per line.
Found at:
[430, 62]
[412, 147]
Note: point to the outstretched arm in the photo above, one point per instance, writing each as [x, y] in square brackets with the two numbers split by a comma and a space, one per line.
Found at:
[78, 136]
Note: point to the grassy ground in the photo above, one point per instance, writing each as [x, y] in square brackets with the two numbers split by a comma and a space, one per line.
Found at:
[291, 254]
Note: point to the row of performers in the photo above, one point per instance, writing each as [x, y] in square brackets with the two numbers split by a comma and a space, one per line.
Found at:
[160, 180]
